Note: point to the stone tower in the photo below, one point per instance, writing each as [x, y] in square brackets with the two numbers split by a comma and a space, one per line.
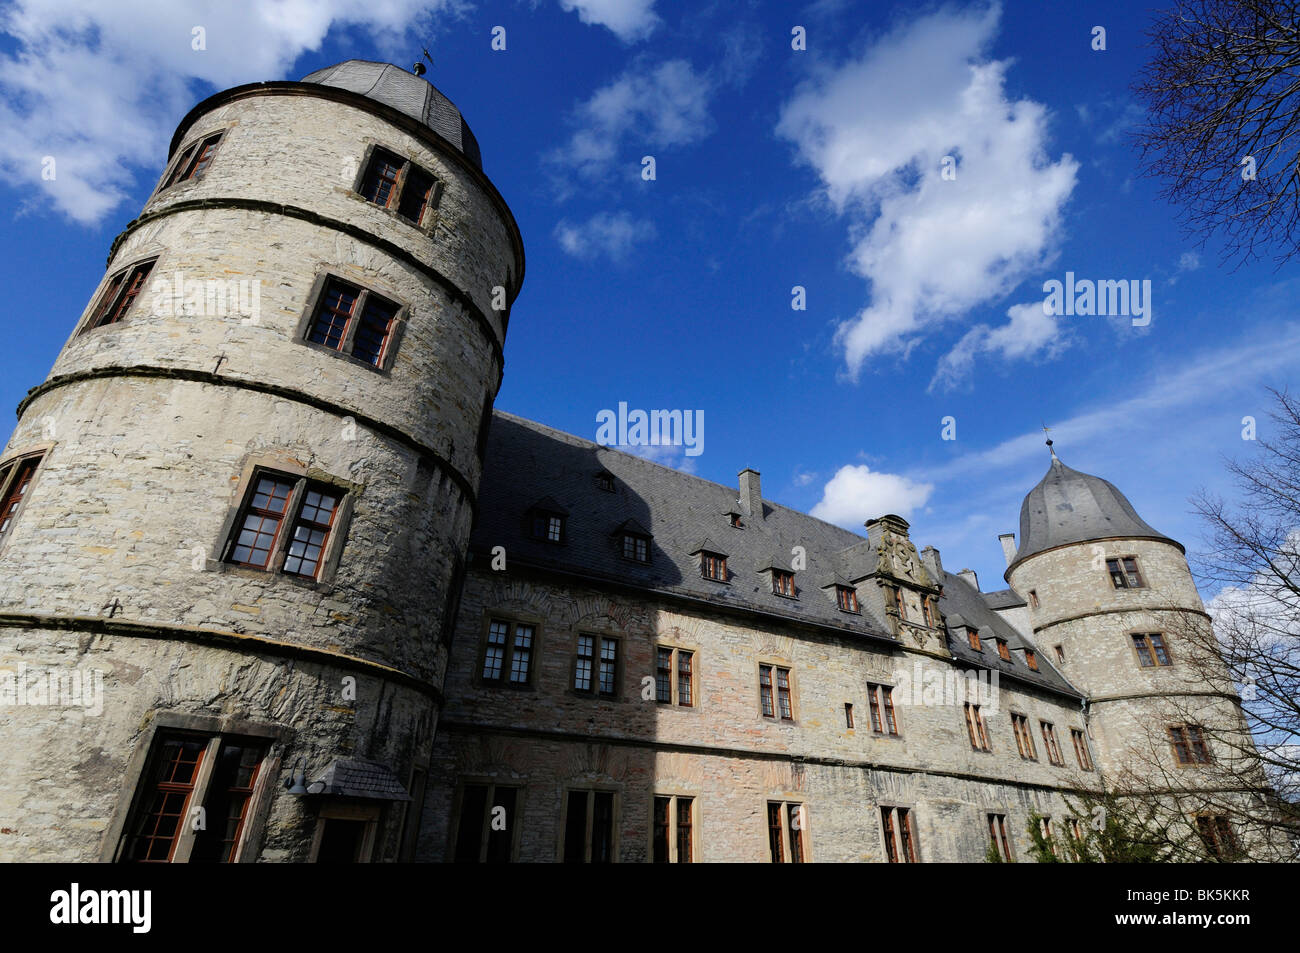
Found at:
[1115, 604]
[236, 511]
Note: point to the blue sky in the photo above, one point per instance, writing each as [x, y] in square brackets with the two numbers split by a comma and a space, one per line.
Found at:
[775, 167]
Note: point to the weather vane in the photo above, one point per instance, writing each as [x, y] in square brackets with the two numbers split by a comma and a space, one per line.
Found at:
[418, 69]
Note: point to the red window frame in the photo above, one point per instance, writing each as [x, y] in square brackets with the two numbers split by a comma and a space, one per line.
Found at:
[263, 521]
[783, 583]
[847, 598]
[998, 835]
[766, 698]
[353, 320]
[1189, 744]
[1031, 659]
[121, 293]
[713, 566]
[394, 182]
[1004, 651]
[975, 728]
[24, 471]
[1049, 740]
[1081, 749]
[194, 160]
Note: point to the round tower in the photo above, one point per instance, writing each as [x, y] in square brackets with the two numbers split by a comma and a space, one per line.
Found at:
[240, 501]
[1115, 603]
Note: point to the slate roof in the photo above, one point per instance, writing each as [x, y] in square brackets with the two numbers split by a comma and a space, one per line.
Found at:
[1003, 599]
[527, 462]
[1072, 507]
[362, 779]
[405, 92]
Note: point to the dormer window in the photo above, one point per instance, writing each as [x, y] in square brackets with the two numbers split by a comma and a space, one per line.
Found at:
[548, 527]
[974, 637]
[783, 583]
[1004, 652]
[1031, 659]
[1124, 573]
[713, 566]
[846, 597]
[636, 548]
[605, 481]
[735, 520]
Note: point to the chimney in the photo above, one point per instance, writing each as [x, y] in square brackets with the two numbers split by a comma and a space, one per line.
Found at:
[969, 576]
[1008, 541]
[930, 559]
[751, 493]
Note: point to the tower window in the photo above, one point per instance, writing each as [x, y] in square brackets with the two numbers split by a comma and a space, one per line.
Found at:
[1150, 649]
[848, 714]
[119, 295]
[1033, 599]
[193, 161]
[286, 524]
[1060, 653]
[393, 182]
[175, 785]
[1124, 573]
[354, 321]
[15, 479]
[846, 597]
[1189, 744]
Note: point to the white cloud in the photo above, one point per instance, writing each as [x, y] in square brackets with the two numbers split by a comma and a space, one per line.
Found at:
[856, 494]
[629, 20]
[877, 129]
[605, 233]
[1189, 261]
[1029, 333]
[100, 87]
[658, 106]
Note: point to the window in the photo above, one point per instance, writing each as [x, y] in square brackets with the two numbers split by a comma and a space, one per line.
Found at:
[782, 684]
[1060, 653]
[846, 597]
[1004, 652]
[998, 836]
[713, 566]
[1024, 739]
[636, 548]
[286, 525]
[735, 520]
[395, 183]
[1216, 833]
[1031, 659]
[783, 583]
[194, 161]
[119, 295]
[1033, 599]
[979, 737]
[1150, 649]
[589, 826]
[900, 839]
[1045, 828]
[1124, 573]
[785, 826]
[605, 481]
[354, 321]
[1074, 833]
[508, 653]
[485, 830]
[1081, 749]
[881, 698]
[548, 527]
[673, 828]
[848, 714]
[669, 690]
[896, 596]
[14, 481]
[1049, 740]
[592, 674]
[177, 784]
[1189, 744]
[927, 610]
[973, 636]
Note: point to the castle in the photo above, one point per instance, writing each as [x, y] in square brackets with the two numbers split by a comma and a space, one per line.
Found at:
[337, 608]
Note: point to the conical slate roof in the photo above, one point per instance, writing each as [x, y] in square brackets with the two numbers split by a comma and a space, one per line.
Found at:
[405, 92]
[1072, 507]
